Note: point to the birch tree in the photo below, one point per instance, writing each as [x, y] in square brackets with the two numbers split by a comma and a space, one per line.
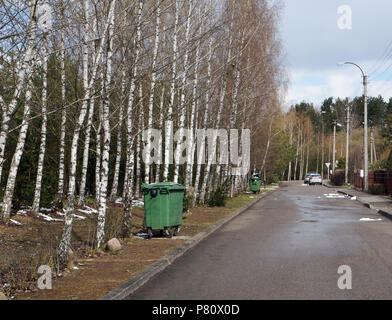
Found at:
[66, 235]
[60, 188]
[116, 176]
[42, 148]
[22, 72]
[152, 90]
[201, 152]
[106, 136]
[169, 128]
[128, 184]
[181, 107]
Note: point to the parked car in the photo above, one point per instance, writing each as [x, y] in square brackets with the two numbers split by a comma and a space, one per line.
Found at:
[315, 179]
[307, 178]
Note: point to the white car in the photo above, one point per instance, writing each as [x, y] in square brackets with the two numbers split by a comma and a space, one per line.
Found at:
[315, 179]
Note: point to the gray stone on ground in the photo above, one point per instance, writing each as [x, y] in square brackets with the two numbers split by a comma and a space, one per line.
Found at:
[113, 245]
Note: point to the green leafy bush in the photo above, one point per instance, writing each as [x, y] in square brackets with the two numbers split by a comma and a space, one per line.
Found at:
[219, 196]
[187, 203]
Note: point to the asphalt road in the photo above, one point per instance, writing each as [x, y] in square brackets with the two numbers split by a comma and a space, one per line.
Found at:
[288, 246]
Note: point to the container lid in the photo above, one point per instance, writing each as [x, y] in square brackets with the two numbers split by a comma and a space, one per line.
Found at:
[163, 185]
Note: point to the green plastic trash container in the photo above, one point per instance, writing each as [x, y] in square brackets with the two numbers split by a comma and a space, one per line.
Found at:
[163, 206]
[255, 184]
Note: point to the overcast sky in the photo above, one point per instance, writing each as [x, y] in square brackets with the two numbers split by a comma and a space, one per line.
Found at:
[313, 44]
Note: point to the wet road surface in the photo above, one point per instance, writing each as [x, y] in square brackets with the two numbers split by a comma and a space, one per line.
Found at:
[288, 246]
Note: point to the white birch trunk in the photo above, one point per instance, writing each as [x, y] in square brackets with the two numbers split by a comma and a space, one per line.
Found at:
[22, 72]
[116, 176]
[98, 147]
[169, 128]
[161, 107]
[106, 138]
[267, 147]
[138, 142]
[9, 190]
[66, 236]
[223, 94]
[296, 155]
[42, 148]
[233, 118]
[82, 189]
[60, 190]
[182, 108]
[128, 183]
[193, 119]
[205, 122]
[152, 92]
[291, 143]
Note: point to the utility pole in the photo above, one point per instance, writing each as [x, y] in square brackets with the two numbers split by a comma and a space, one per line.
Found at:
[365, 126]
[334, 147]
[365, 134]
[322, 147]
[347, 143]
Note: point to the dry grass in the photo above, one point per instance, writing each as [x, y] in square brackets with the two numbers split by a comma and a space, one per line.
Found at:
[24, 249]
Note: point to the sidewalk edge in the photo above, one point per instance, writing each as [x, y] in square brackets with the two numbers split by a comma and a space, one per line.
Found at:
[384, 213]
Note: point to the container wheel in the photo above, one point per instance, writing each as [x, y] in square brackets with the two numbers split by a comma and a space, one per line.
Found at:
[168, 233]
[149, 232]
[177, 230]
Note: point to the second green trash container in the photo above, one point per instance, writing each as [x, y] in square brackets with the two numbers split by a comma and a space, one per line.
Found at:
[163, 206]
[255, 184]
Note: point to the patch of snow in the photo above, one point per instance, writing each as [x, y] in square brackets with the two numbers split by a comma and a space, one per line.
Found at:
[334, 196]
[75, 268]
[88, 210]
[79, 217]
[46, 209]
[15, 222]
[353, 198]
[137, 203]
[22, 213]
[49, 219]
[369, 220]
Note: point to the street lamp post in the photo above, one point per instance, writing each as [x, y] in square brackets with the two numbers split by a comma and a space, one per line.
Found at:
[347, 144]
[322, 148]
[365, 125]
[334, 147]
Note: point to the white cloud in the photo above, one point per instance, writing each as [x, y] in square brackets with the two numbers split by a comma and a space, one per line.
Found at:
[339, 82]
[314, 44]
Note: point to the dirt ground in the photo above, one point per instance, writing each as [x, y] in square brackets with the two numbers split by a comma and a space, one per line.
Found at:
[92, 274]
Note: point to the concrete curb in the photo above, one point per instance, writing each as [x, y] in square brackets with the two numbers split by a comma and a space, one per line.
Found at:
[140, 279]
[384, 213]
